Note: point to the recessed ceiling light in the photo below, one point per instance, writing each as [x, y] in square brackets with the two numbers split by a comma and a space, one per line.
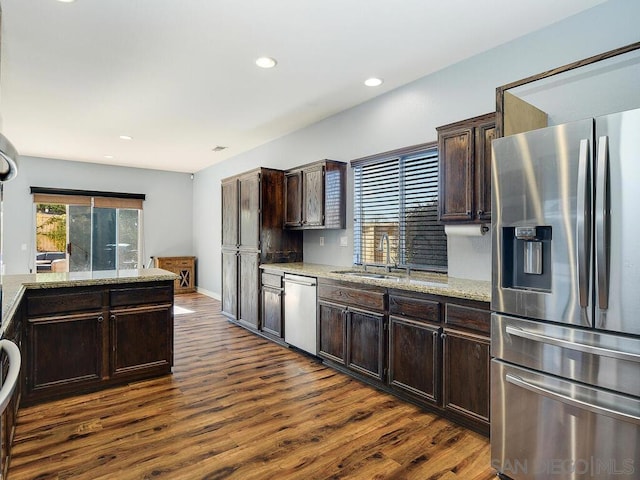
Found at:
[266, 62]
[108, 157]
[66, 1]
[125, 137]
[373, 82]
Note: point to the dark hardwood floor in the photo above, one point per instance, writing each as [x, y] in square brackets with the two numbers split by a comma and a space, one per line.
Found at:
[241, 407]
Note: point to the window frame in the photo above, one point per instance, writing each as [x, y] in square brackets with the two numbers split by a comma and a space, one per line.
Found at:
[118, 202]
[402, 156]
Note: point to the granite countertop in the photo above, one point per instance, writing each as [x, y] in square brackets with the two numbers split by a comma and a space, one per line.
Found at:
[14, 286]
[433, 283]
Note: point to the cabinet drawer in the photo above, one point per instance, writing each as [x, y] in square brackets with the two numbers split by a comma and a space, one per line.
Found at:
[169, 263]
[364, 296]
[57, 301]
[140, 295]
[468, 317]
[271, 280]
[414, 307]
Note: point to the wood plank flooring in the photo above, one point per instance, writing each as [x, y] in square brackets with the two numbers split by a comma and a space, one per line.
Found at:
[240, 407]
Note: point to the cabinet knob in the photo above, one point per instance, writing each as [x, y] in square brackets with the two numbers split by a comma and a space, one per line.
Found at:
[443, 336]
[480, 212]
[468, 213]
[100, 318]
[112, 318]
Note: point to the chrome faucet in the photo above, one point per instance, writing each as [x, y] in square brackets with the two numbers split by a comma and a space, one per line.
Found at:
[387, 263]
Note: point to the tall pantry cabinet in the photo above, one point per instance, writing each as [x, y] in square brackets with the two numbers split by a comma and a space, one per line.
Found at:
[252, 233]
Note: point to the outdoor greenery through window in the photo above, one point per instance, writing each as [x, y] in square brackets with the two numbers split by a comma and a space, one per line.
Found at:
[397, 194]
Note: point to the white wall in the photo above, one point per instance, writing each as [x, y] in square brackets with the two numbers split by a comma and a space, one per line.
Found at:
[167, 209]
[408, 116]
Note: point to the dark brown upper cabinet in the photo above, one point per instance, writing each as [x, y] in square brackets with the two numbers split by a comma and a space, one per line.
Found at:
[465, 169]
[316, 196]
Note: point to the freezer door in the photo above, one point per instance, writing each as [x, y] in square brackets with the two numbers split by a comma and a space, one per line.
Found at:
[617, 228]
[541, 188]
[547, 428]
[601, 359]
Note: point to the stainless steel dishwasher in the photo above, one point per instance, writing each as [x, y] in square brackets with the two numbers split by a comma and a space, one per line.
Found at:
[300, 312]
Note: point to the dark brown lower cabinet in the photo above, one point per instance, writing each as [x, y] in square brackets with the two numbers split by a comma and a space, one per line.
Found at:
[272, 307]
[332, 333]
[466, 374]
[84, 339]
[65, 352]
[249, 290]
[230, 283]
[414, 358]
[351, 327]
[141, 339]
[365, 342]
[425, 348]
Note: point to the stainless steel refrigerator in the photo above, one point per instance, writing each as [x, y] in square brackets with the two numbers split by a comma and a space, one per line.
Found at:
[565, 332]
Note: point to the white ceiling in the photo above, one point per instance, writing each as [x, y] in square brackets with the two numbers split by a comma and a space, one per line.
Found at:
[179, 75]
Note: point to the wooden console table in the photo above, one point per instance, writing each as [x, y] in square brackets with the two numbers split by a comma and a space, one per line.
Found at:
[184, 267]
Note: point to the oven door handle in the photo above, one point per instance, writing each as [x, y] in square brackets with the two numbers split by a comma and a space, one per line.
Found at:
[580, 347]
[9, 385]
[597, 409]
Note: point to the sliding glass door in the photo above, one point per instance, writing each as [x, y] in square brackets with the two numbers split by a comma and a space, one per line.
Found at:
[97, 238]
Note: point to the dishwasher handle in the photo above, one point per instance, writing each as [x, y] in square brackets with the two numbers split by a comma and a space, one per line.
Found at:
[297, 280]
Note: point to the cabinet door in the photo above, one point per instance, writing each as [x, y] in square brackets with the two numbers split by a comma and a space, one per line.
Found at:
[466, 374]
[249, 187]
[456, 150]
[332, 332]
[141, 339]
[230, 283]
[64, 350]
[313, 196]
[414, 358]
[230, 213]
[485, 133]
[249, 290]
[365, 343]
[272, 310]
[293, 196]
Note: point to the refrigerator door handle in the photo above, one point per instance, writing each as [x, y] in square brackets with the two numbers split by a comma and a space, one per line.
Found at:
[583, 223]
[572, 345]
[602, 223]
[576, 402]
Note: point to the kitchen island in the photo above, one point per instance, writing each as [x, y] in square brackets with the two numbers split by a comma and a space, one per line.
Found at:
[84, 331]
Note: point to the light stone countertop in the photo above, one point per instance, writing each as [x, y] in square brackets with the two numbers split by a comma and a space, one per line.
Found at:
[14, 286]
[433, 283]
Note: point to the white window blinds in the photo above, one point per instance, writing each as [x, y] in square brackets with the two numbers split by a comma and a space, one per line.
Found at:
[398, 196]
